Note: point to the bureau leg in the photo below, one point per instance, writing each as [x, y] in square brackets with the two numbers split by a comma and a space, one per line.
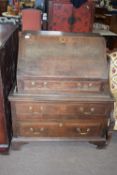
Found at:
[99, 144]
[110, 129]
[107, 135]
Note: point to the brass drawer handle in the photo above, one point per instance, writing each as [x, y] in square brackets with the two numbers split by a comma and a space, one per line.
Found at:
[90, 112]
[41, 108]
[81, 109]
[33, 83]
[81, 132]
[90, 84]
[92, 109]
[60, 125]
[37, 131]
[62, 40]
[30, 108]
[79, 84]
[45, 83]
[87, 113]
[32, 129]
[41, 129]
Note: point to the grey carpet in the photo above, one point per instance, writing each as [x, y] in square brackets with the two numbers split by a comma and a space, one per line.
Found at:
[61, 158]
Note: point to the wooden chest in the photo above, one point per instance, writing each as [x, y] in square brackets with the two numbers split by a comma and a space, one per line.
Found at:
[62, 88]
[63, 16]
[8, 62]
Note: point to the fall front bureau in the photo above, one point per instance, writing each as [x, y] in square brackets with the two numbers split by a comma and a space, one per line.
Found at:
[62, 90]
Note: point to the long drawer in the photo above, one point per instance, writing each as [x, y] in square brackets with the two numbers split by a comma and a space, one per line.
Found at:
[59, 110]
[56, 86]
[78, 128]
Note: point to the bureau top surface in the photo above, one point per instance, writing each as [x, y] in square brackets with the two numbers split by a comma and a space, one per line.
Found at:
[16, 96]
[5, 32]
[63, 55]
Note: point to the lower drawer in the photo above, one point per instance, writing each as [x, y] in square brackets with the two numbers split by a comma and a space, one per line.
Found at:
[59, 129]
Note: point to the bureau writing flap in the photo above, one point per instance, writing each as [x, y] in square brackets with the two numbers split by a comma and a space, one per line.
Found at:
[63, 55]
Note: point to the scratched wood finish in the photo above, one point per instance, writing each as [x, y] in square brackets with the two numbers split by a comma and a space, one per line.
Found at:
[48, 68]
[62, 88]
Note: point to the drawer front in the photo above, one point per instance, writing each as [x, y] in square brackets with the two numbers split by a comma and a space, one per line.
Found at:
[59, 129]
[46, 86]
[60, 110]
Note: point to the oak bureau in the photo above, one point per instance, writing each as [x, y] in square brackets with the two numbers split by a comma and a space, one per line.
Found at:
[62, 90]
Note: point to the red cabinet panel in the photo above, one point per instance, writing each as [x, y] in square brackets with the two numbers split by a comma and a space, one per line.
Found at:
[63, 16]
[83, 18]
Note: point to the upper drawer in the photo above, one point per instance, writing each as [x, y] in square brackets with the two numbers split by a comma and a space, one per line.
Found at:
[49, 86]
[61, 109]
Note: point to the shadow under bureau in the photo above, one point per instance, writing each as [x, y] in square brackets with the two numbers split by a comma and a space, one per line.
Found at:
[62, 90]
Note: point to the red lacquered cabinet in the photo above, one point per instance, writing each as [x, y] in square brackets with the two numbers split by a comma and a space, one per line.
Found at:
[63, 16]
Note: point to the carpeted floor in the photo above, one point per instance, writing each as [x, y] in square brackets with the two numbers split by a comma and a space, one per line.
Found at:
[61, 158]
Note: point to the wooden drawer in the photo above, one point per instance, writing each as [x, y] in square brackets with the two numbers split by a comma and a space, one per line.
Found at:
[46, 86]
[59, 129]
[59, 110]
